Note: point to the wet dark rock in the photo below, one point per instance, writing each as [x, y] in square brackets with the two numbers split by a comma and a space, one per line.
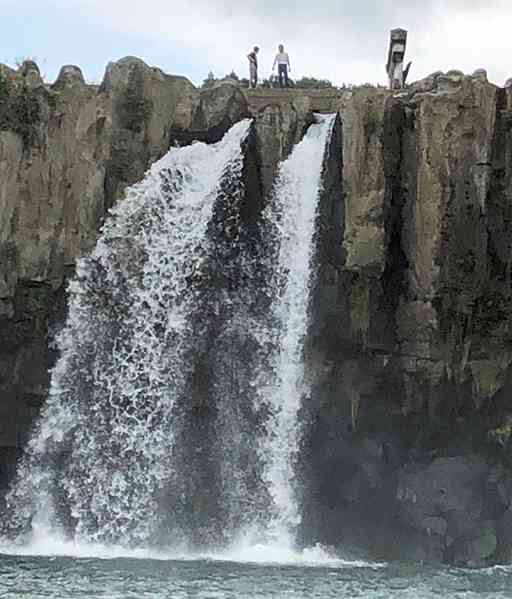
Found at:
[448, 499]
[503, 553]
[474, 548]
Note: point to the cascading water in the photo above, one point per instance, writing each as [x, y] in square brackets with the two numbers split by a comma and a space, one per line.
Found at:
[100, 463]
[292, 215]
[173, 414]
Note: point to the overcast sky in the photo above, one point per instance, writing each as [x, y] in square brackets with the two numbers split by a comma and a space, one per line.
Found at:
[342, 40]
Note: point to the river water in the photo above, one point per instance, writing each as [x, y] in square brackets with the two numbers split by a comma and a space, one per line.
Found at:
[38, 577]
[52, 568]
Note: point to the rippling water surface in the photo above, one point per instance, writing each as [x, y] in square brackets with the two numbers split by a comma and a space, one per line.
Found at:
[35, 577]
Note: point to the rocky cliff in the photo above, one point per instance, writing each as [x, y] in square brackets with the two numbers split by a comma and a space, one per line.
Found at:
[406, 452]
[408, 447]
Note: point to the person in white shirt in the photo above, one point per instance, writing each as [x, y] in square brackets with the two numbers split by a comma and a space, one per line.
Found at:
[283, 66]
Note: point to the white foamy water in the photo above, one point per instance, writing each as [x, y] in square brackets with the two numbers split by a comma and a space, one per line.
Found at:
[293, 213]
[247, 550]
[102, 452]
[244, 552]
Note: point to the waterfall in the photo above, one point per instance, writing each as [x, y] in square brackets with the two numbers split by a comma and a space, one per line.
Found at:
[173, 413]
[100, 464]
[292, 214]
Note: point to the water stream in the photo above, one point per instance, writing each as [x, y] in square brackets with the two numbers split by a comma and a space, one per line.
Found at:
[293, 212]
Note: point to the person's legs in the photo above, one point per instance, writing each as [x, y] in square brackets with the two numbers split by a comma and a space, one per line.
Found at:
[281, 70]
[286, 75]
[253, 75]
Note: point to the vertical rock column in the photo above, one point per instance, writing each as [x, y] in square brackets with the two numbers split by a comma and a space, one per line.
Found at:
[439, 231]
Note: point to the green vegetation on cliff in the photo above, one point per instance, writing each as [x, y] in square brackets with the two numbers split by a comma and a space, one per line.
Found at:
[20, 111]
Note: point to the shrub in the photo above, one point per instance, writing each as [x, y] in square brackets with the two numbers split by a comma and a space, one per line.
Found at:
[312, 83]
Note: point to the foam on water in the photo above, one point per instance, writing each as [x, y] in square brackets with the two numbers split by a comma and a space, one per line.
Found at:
[246, 551]
[243, 552]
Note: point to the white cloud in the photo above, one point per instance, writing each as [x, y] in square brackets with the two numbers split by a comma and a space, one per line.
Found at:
[467, 40]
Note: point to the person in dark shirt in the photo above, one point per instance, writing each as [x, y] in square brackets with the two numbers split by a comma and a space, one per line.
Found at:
[253, 66]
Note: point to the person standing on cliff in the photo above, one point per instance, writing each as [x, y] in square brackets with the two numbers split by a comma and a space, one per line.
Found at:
[283, 66]
[253, 67]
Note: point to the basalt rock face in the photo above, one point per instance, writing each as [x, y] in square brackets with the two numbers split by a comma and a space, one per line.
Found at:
[408, 427]
[407, 448]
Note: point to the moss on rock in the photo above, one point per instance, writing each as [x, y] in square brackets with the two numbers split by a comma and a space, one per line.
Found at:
[20, 111]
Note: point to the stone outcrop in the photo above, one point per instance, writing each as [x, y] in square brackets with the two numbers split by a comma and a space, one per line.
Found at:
[409, 422]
